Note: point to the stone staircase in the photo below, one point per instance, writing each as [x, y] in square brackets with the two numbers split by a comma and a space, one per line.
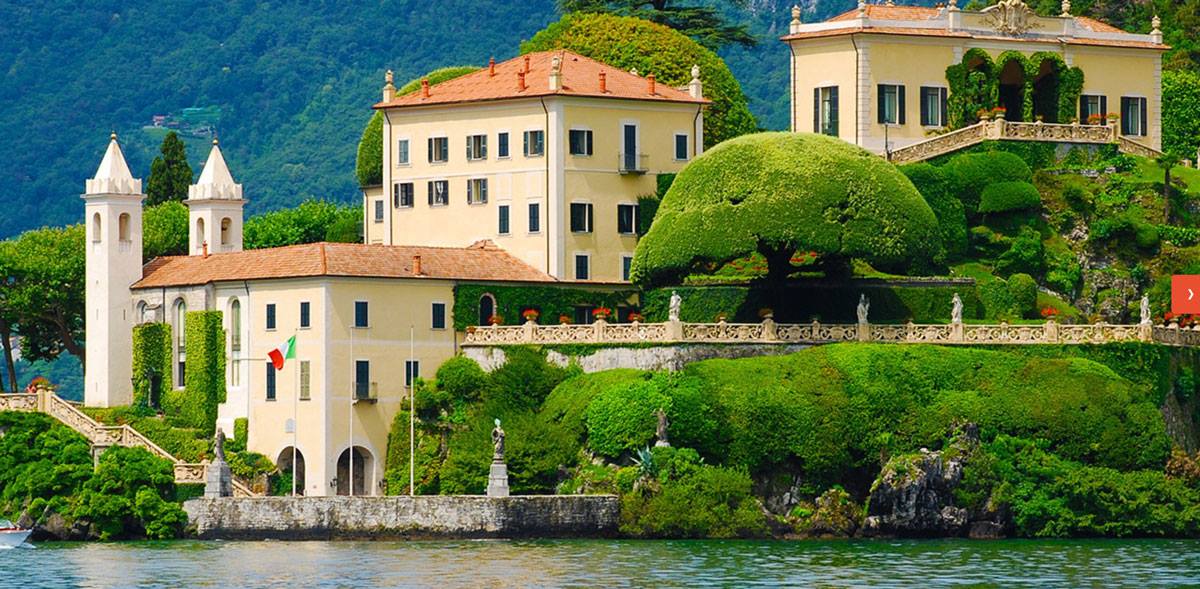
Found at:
[103, 436]
[1000, 129]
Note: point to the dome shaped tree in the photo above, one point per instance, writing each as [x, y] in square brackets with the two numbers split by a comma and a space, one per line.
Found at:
[779, 193]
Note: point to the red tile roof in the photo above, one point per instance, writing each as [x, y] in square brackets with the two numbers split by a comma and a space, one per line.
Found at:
[922, 13]
[580, 77]
[482, 261]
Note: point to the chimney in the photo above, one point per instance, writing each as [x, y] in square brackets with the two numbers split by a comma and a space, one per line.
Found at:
[521, 81]
[556, 73]
[527, 64]
[389, 90]
[650, 84]
[695, 88]
[204, 248]
[603, 83]
[417, 265]
[491, 67]
[425, 88]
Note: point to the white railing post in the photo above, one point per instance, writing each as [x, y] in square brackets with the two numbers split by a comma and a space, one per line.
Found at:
[598, 330]
[769, 332]
[674, 330]
[1050, 331]
[529, 328]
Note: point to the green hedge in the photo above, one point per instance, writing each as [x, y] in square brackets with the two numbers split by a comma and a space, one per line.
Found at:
[151, 356]
[971, 173]
[622, 419]
[204, 383]
[1023, 290]
[830, 304]
[550, 301]
[934, 185]
[1002, 197]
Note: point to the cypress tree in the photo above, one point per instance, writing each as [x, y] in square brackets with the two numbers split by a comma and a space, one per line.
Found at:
[170, 174]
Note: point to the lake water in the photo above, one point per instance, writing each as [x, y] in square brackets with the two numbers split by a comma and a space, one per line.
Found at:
[598, 563]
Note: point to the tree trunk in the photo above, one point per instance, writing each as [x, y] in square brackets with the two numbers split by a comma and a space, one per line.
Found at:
[779, 263]
[9, 365]
[68, 340]
[1167, 196]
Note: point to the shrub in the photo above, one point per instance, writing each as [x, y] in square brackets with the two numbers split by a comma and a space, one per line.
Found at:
[630, 43]
[934, 186]
[1023, 290]
[462, 378]
[524, 381]
[568, 402]
[793, 192]
[127, 496]
[1009, 196]
[1027, 254]
[970, 173]
[622, 419]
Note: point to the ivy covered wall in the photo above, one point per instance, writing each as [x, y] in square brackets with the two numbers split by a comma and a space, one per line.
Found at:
[550, 302]
[204, 377]
[151, 364]
[1048, 86]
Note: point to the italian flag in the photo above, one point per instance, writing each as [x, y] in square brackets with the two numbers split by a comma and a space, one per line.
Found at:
[285, 352]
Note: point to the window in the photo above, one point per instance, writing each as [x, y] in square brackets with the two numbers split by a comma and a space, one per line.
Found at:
[535, 217]
[627, 219]
[1093, 109]
[123, 227]
[305, 380]
[412, 371]
[580, 141]
[439, 192]
[535, 143]
[235, 326]
[95, 227]
[270, 381]
[270, 316]
[582, 267]
[681, 146]
[487, 308]
[439, 150]
[439, 316]
[402, 195]
[503, 228]
[477, 147]
[360, 313]
[1133, 116]
[476, 191]
[502, 145]
[891, 104]
[362, 379]
[379, 211]
[583, 314]
[825, 110]
[305, 315]
[226, 223]
[581, 217]
[402, 152]
[933, 106]
[626, 266]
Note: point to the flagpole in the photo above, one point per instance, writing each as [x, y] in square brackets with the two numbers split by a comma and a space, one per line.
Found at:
[412, 395]
[295, 416]
[350, 450]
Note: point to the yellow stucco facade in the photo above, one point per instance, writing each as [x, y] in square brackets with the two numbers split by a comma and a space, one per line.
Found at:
[884, 61]
[535, 190]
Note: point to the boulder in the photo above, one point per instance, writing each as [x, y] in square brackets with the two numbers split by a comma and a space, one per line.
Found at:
[914, 493]
[836, 515]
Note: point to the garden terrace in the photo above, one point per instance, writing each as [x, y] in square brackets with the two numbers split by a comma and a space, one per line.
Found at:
[676, 332]
[1000, 129]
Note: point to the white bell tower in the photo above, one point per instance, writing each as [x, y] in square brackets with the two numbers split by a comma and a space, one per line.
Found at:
[113, 207]
[215, 209]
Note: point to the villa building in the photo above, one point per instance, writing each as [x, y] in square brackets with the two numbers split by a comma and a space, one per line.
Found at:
[545, 154]
[368, 320]
[884, 76]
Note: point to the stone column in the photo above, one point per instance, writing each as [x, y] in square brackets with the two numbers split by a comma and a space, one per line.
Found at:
[864, 331]
[674, 331]
[1051, 331]
[956, 332]
[769, 331]
[498, 480]
[218, 480]
[529, 327]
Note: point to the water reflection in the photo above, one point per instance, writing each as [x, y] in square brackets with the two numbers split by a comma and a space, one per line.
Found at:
[949, 563]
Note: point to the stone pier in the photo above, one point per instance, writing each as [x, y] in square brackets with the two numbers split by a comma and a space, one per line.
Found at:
[399, 517]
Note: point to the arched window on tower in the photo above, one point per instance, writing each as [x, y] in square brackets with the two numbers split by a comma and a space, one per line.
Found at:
[123, 227]
[200, 233]
[226, 223]
[95, 227]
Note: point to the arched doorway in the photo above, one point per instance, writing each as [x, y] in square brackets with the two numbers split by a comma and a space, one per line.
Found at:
[284, 463]
[364, 468]
[487, 308]
[1046, 89]
[1012, 89]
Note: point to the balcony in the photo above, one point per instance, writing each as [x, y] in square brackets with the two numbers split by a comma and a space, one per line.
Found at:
[367, 392]
[632, 163]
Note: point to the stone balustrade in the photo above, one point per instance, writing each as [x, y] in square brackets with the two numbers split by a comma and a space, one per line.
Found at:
[675, 332]
[1000, 129]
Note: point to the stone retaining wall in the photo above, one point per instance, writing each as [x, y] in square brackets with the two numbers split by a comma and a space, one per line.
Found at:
[433, 516]
[665, 357]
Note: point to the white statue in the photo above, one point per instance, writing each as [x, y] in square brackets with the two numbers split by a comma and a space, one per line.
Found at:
[863, 307]
[676, 303]
[956, 307]
[1145, 310]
